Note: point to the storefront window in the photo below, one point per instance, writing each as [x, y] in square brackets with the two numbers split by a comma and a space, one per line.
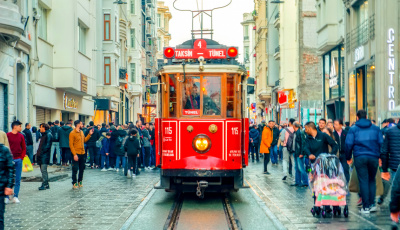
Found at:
[230, 96]
[172, 96]
[334, 70]
[352, 97]
[326, 76]
[211, 95]
[371, 109]
[191, 96]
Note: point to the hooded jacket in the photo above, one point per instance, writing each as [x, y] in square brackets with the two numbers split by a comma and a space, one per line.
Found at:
[364, 139]
[146, 138]
[391, 149]
[266, 140]
[43, 153]
[132, 146]
[94, 137]
[254, 135]
[7, 170]
[63, 133]
[115, 135]
[105, 146]
[319, 144]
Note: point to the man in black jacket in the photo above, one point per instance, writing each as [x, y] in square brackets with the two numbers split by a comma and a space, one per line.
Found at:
[7, 179]
[340, 137]
[390, 157]
[273, 150]
[91, 145]
[43, 154]
[317, 142]
[63, 133]
[29, 141]
[301, 178]
[55, 143]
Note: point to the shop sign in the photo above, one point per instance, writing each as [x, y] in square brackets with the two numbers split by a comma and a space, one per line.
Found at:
[69, 103]
[333, 80]
[391, 65]
[359, 54]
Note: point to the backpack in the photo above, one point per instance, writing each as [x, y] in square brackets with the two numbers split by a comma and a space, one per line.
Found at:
[98, 142]
[289, 143]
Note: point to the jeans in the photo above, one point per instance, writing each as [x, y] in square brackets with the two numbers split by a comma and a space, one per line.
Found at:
[345, 166]
[132, 162]
[266, 161]
[93, 153]
[280, 153]
[29, 152]
[142, 157]
[301, 175]
[254, 149]
[121, 158]
[273, 151]
[285, 161]
[45, 175]
[366, 171]
[112, 162]
[105, 158]
[146, 156]
[18, 172]
[56, 146]
[2, 209]
[66, 155]
[387, 184]
[78, 165]
[153, 155]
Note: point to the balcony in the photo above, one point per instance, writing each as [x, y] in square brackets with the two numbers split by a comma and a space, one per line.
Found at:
[361, 34]
[134, 89]
[277, 22]
[277, 54]
[148, 14]
[11, 27]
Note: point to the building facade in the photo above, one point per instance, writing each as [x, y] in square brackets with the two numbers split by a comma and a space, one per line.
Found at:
[163, 35]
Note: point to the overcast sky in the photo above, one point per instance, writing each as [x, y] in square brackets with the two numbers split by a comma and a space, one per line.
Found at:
[226, 21]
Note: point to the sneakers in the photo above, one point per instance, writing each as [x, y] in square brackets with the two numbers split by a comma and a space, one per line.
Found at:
[80, 184]
[359, 202]
[284, 178]
[6, 200]
[42, 187]
[364, 211]
[117, 170]
[129, 175]
[75, 186]
[16, 200]
[373, 208]
[104, 170]
[110, 169]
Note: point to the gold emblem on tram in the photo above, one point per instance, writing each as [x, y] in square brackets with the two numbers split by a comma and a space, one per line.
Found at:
[190, 128]
[213, 128]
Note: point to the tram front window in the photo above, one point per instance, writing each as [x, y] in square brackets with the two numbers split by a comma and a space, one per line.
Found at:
[211, 95]
[191, 99]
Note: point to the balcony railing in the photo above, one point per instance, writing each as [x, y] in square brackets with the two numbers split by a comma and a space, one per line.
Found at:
[361, 34]
[122, 73]
[246, 38]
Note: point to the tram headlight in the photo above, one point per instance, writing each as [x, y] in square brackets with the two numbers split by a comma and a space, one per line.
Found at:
[201, 143]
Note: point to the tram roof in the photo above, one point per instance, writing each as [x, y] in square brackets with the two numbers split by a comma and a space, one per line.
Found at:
[208, 68]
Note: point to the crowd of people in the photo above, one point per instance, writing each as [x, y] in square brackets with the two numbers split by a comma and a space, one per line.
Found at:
[363, 149]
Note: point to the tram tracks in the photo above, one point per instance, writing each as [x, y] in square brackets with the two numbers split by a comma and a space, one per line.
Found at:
[173, 220]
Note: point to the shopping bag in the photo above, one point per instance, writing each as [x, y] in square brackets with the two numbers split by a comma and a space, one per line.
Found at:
[27, 165]
[354, 183]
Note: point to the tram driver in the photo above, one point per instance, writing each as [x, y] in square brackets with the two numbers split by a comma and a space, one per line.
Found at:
[192, 98]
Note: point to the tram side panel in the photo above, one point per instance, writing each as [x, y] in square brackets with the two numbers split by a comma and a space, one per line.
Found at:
[157, 124]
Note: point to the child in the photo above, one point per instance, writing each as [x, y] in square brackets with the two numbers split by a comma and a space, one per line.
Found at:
[132, 148]
[105, 152]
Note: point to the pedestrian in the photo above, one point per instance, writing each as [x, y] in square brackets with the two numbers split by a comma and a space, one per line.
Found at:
[4, 139]
[347, 126]
[390, 156]
[281, 139]
[394, 205]
[119, 149]
[340, 138]
[389, 123]
[91, 145]
[321, 124]
[364, 141]
[105, 151]
[146, 145]
[56, 145]
[103, 129]
[266, 141]
[301, 179]
[260, 130]
[7, 177]
[28, 141]
[317, 142]
[112, 155]
[132, 147]
[18, 150]
[43, 154]
[63, 133]
[273, 151]
[152, 145]
[254, 138]
[76, 144]
[35, 138]
[288, 149]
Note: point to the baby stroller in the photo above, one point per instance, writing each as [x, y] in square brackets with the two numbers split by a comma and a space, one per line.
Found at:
[328, 185]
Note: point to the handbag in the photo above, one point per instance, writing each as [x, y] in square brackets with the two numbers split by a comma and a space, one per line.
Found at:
[27, 165]
[354, 184]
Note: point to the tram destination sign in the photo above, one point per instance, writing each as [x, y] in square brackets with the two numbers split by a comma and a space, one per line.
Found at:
[200, 50]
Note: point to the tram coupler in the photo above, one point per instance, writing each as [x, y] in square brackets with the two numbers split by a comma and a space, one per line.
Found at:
[201, 187]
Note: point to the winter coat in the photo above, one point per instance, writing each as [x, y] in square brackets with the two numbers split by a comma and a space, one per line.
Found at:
[391, 149]
[319, 144]
[275, 136]
[7, 169]
[394, 204]
[63, 134]
[103, 130]
[300, 142]
[132, 146]
[77, 142]
[116, 149]
[28, 137]
[146, 138]
[266, 140]
[364, 139]
[254, 135]
[341, 141]
[44, 157]
[53, 131]
[105, 146]
[94, 137]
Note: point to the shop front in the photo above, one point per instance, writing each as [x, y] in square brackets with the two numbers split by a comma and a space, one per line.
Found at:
[106, 110]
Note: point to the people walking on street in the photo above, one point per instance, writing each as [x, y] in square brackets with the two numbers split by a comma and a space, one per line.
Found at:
[253, 142]
[146, 145]
[28, 141]
[340, 137]
[364, 141]
[43, 154]
[301, 178]
[317, 142]
[153, 145]
[266, 140]
[76, 143]
[63, 133]
[18, 150]
[105, 151]
[140, 133]
[273, 150]
[56, 145]
[7, 177]
[260, 130]
[281, 139]
[91, 145]
[288, 149]
[119, 149]
[132, 147]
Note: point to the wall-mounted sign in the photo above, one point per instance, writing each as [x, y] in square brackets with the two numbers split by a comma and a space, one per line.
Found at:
[69, 103]
[391, 65]
[83, 83]
[333, 80]
[358, 54]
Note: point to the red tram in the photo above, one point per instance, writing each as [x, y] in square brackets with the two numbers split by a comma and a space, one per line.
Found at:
[201, 129]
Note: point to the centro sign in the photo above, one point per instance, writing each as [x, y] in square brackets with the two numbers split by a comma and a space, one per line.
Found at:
[358, 54]
[391, 67]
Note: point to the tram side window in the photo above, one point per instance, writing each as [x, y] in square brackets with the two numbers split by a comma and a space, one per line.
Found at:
[230, 91]
[211, 95]
[191, 96]
[172, 96]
